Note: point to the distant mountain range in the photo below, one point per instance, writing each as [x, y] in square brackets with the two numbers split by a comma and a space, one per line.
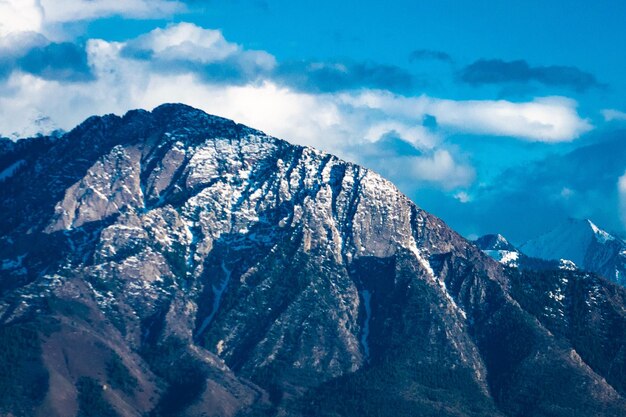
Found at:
[572, 244]
[174, 263]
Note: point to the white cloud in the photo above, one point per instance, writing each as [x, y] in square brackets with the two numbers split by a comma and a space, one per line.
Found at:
[298, 117]
[186, 41]
[612, 114]
[417, 135]
[20, 16]
[44, 16]
[437, 167]
[322, 121]
[567, 193]
[463, 197]
[340, 123]
[551, 119]
[58, 11]
[441, 168]
[16, 44]
[621, 191]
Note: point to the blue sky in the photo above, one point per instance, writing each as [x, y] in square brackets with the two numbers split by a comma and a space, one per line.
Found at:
[497, 116]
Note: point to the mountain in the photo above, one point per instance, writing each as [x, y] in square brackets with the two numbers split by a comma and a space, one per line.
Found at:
[584, 243]
[174, 263]
[498, 248]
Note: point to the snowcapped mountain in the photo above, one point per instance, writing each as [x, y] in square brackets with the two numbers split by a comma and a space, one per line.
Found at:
[498, 248]
[585, 244]
[174, 263]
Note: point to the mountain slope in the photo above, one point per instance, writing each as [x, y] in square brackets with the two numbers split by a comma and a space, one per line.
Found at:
[176, 263]
[582, 242]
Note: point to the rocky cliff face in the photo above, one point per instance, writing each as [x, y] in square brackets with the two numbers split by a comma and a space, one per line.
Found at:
[176, 263]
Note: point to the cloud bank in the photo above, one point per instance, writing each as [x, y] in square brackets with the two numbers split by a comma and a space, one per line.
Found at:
[343, 107]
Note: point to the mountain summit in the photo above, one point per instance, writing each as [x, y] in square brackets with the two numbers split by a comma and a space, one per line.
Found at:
[497, 247]
[174, 263]
[584, 243]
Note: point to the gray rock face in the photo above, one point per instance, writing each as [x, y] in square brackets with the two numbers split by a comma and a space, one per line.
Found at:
[233, 273]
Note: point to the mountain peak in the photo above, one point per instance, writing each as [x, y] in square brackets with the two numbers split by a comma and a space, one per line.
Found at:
[568, 240]
[498, 248]
[177, 115]
[600, 234]
[494, 242]
[586, 227]
[169, 122]
[182, 112]
[175, 108]
[584, 243]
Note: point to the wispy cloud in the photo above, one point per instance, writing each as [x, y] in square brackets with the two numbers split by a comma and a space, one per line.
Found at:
[497, 71]
[613, 115]
[431, 55]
